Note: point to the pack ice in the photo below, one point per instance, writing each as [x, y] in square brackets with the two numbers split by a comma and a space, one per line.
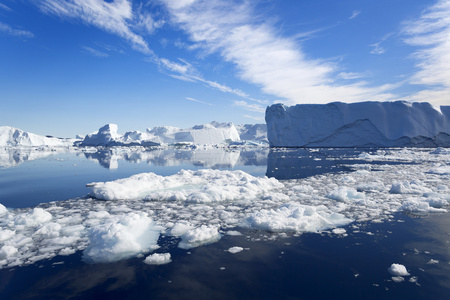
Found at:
[364, 124]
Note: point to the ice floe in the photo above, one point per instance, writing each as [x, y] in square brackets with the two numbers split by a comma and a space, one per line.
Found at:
[196, 208]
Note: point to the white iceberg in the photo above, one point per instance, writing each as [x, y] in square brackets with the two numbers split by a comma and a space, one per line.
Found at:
[365, 124]
[398, 270]
[14, 137]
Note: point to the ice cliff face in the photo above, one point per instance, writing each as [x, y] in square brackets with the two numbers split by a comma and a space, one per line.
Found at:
[364, 124]
[14, 137]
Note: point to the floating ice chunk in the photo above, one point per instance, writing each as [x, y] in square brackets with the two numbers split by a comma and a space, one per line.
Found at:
[398, 270]
[440, 151]
[3, 209]
[158, 259]
[6, 234]
[200, 236]
[339, 231]
[397, 279]
[235, 249]
[121, 237]
[233, 233]
[442, 170]
[180, 228]
[405, 187]
[35, 217]
[296, 217]
[205, 185]
[345, 194]
[49, 230]
[433, 262]
[7, 251]
[417, 206]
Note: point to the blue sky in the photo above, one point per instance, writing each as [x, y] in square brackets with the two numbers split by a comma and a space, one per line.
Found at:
[71, 66]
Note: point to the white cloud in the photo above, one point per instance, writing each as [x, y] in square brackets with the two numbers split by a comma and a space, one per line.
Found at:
[4, 7]
[115, 17]
[254, 118]
[355, 13]
[350, 75]
[199, 101]
[5, 28]
[432, 34]
[277, 64]
[377, 49]
[94, 52]
[250, 107]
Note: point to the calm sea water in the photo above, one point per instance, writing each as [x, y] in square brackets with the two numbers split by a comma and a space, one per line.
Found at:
[307, 266]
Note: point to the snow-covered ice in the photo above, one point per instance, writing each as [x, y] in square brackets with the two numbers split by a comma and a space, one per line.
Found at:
[235, 249]
[158, 259]
[364, 124]
[398, 270]
[14, 137]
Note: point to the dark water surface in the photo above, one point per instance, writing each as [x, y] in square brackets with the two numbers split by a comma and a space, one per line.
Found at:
[272, 266]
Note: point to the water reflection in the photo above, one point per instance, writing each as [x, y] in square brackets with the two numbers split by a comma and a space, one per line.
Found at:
[302, 163]
[110, 157]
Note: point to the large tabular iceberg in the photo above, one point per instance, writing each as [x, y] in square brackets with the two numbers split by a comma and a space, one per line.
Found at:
[365, 124]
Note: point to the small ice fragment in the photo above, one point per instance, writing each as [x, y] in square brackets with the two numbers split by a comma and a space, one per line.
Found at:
[200, 236]
[158, 259]
[233, 233]
[398, 279]
[235, 249]
[398, 270]
[339, 231]
[433, 262]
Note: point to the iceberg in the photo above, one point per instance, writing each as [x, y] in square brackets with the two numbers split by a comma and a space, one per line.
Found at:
[207, 134]
[14, 137]
[364, 124]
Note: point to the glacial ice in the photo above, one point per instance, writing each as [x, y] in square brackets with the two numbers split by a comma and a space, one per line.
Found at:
[398, 270]
[198, 207]
[14, 137]
[364, 124]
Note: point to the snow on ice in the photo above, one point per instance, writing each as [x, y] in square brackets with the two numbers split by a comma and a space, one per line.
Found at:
[158, 259]
[198, 207]
[364, 124]
[398, 270]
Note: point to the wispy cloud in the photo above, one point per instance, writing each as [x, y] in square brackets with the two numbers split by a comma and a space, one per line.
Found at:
[4, 7]
[94, 52]
[377, 49]
[431, 34]
[259, 119]
[250, 107]
[275, 63]
[5, 28]
[350, 75]
[355, 13]
[116, 17]
[199, 101]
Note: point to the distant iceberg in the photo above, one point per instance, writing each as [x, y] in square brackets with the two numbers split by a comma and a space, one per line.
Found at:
[365, 124]
[14, 137]
[213, 133]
